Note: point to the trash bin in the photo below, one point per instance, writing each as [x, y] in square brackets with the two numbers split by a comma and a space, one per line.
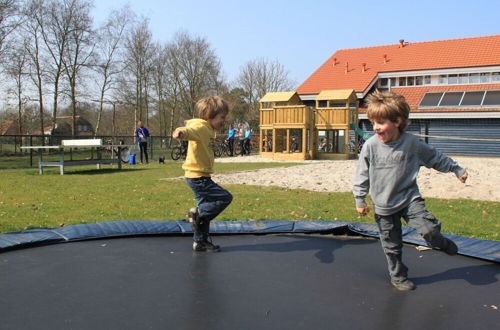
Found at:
[131, 160]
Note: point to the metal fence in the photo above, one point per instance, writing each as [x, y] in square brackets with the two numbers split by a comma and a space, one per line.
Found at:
[12, 156]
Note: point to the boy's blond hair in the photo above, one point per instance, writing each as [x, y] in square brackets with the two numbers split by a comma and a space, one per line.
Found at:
[388, 105]
[210, 106]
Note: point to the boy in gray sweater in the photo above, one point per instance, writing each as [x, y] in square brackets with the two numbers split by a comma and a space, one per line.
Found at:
[387, 168]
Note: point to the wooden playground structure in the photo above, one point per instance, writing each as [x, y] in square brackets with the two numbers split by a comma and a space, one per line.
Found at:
[290, 130]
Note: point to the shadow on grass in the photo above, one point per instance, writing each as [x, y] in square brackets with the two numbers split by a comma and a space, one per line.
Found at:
[103, 171]
[55, 171]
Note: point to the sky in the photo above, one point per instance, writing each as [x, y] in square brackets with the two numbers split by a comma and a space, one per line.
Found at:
[302, 35]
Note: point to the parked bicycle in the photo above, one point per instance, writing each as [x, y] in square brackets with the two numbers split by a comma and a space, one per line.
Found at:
[222, 148]
[109, 151]
[356, 146]
[179, 151]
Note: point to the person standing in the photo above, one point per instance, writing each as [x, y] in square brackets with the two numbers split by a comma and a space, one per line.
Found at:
[211, 199]
[231, 133]
[142, 135]
[241, 139]
[248, 137]
[387, 169]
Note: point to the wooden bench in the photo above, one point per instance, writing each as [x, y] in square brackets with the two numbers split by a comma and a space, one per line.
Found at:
[80, 143]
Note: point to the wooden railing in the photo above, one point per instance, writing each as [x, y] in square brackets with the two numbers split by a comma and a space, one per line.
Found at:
[333, 116]
[292, 114]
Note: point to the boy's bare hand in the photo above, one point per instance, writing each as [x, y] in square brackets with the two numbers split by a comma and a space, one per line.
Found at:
[464, 177]
[177, 134]
[362, 211]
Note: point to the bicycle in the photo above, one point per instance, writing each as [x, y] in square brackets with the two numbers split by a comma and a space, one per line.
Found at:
[223, 148]
[179, 151]
[356, 146]
[109, 151]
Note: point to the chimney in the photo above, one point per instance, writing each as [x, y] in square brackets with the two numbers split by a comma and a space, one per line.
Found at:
[401, 43]
[364, 67]
[334, 61]
[346, 67]
[385, 58]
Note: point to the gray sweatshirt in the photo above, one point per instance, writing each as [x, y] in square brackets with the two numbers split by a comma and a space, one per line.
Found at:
[389, 171]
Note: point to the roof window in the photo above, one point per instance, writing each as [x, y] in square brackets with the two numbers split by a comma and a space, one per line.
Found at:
[461, 99]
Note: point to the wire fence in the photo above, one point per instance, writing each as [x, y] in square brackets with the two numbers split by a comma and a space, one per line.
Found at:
[13, 156]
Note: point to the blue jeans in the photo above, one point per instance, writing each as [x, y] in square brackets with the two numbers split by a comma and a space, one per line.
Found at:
[211, 200]
[417, 217]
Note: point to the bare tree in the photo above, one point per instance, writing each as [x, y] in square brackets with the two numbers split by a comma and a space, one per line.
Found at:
[107, 62]
[9, 19]
[199, 69]
[16, 66]
[159, 79]
[79, 48]
[56, 20]
[32, 31]
[259, 77]
[173, 85]
[139, 54]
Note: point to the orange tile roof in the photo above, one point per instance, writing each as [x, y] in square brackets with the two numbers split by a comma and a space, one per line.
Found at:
[344, 69]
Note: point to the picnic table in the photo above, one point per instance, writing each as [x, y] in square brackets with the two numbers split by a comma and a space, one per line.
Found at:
[116, 157]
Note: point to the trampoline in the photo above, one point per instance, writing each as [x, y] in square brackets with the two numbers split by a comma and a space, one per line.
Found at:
[270, 275]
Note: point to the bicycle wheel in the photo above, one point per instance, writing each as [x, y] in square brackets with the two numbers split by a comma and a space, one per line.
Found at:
[176, 153]
[217, 151]
[125, 155]
[225, 150]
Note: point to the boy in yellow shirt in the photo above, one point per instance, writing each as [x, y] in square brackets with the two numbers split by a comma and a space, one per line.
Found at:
[211, 199]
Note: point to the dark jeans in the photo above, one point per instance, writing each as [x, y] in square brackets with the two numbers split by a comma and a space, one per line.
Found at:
[230, 143]
[391, 238]
[143, 147]
[242, 146]
[211, 200]
[247, 146]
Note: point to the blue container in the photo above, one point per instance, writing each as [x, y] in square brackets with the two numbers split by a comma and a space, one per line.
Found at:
[131, 160]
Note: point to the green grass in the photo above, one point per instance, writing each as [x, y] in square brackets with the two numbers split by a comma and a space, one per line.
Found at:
[85, 195]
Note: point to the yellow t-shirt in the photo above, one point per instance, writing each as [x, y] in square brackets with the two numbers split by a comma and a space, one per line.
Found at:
[200, 156]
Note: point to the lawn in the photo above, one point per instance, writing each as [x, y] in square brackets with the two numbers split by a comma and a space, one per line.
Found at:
[138, 192]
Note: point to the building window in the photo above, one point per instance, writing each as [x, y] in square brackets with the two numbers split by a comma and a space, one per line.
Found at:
[383, 82]
[495, 76]
[485, 77]
[402, 81]
[393, 82]
[452, 79]
[472, 98]
[462, 99]
[419, 80]
[431, 99]
[474, 78]
[410, 81]
[463, 78]
[443, 79]
[322, 104]
[427, 80]
[492, 98]
[451, 98]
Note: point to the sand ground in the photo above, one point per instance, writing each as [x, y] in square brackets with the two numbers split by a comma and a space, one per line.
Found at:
[338, 175]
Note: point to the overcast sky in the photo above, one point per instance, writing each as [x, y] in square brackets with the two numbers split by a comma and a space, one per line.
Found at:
[302, 35]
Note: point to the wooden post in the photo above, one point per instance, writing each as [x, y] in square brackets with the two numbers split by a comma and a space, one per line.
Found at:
[287, 140]
[274, 140]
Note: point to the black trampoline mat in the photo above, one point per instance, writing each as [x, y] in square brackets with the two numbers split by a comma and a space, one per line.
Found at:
[255, 282]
